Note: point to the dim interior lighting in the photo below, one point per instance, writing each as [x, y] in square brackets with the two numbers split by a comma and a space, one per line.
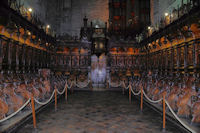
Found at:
[29, 33]
[48, 26]
[149, 44]
[30, 9]
[101, 45]
[166, 14]
[96, 26]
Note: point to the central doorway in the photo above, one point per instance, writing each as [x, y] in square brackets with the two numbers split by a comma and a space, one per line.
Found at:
[98, 72]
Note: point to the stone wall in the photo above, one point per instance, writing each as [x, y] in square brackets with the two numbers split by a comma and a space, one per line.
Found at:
[160, 7]
[66, 16]
[93, 9]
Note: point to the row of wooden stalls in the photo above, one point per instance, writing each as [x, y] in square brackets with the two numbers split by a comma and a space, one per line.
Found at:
[174, 58]
[24, 46]
[174, 49]
[22, 58]
[17, 57]
[181, 58]
[27, 59]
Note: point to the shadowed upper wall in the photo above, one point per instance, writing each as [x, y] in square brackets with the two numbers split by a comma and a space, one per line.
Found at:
[66, 16]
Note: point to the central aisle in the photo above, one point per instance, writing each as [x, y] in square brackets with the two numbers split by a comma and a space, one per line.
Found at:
[98, 112]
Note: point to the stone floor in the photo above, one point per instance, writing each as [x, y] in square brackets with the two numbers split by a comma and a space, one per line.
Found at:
[98, 112]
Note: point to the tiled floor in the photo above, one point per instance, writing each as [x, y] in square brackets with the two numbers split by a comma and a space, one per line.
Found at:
[98, 112]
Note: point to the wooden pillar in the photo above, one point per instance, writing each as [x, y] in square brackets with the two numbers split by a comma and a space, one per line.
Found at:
[36, 59]
[116, 60]
[48, 60]
[160, 62]
[13, 56]
[23, 57]
[40, 58]
[17, 57]
[166, 61]
[124, 59]
[172, 60]
[162, 58]
[9, 50]
[178, 58]
[64, 61]
[89, 60]
[53, 64]
[195, 56]
[1, 54]
[185, 57]
[29, 54]
[44, 59]
[26, 58]
[79, 58]
[71, 60]
[33, 60]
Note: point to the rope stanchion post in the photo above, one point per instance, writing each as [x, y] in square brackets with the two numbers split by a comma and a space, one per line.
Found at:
[66, 91]
[129, 93]
[90, 84]
[33, 111]
[72, 88]
[123, 88]
[164, 120]
[141, 100]
[55, 98]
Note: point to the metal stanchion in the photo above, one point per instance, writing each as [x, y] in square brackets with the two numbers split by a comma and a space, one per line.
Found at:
[141, 100]
[107, 85]
[55, 98]
[164, 111]
[66, 91]
[33, 111]
[123, 88]
[129, 93]
[72, 88]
